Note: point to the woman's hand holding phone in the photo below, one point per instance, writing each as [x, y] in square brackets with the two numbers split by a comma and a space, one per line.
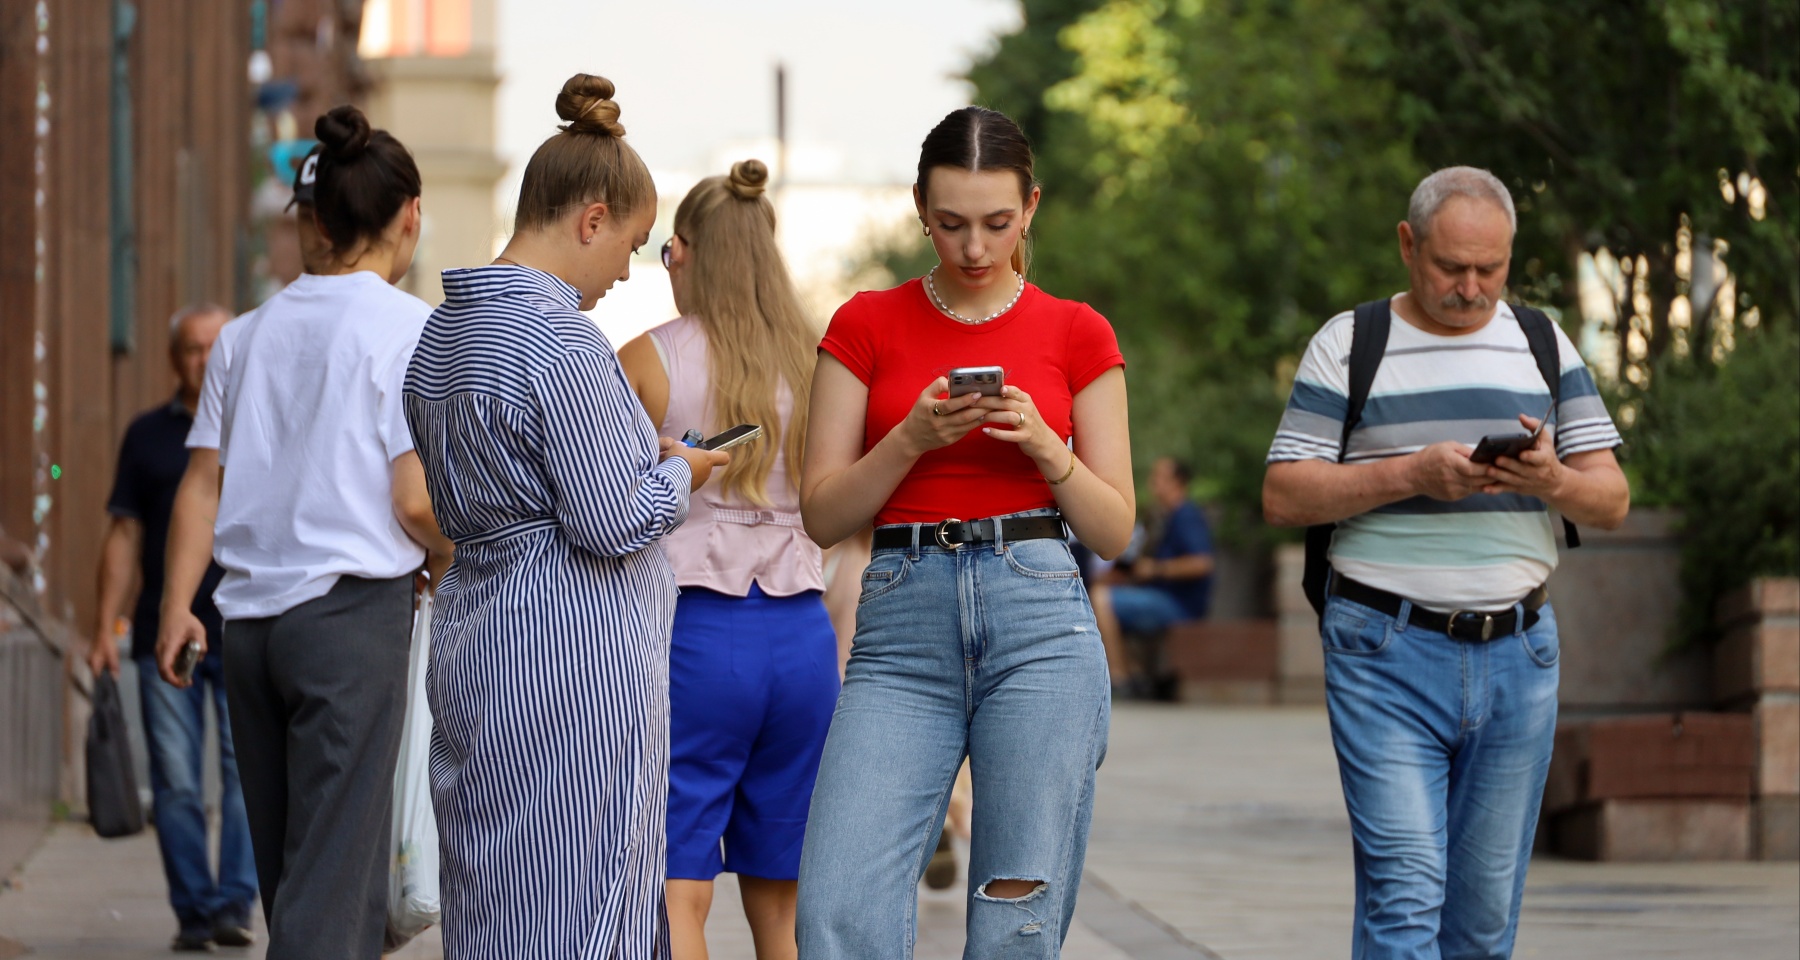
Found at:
[935, 422]
[1014, 418]
[700, 462]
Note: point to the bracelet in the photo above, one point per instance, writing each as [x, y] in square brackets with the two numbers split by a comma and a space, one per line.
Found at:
[1067, 474]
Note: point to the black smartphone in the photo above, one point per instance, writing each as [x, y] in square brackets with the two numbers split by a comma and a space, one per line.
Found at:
[740, 434]
[1493, 448]
[186, 661]
[987, 381]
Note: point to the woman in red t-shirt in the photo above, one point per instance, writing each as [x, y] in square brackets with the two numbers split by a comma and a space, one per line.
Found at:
[974, 636]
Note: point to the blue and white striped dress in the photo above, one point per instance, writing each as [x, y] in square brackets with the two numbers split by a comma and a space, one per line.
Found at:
[550, 639]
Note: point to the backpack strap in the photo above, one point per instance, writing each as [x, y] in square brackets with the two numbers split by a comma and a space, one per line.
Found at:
[1368, 344]
[1540, 333]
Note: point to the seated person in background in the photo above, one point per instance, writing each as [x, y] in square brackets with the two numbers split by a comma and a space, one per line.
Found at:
[1172, 585]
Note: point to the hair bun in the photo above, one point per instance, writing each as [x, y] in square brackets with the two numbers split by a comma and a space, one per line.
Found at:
[345, 132]
[586, 102]
[748, 179]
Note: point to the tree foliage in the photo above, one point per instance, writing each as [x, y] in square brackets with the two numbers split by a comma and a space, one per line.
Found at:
[1221, 176]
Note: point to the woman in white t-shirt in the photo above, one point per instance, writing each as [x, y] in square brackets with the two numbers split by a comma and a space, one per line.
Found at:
[303, 484]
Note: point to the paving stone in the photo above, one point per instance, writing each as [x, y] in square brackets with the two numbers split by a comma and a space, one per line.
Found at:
[1218, 833]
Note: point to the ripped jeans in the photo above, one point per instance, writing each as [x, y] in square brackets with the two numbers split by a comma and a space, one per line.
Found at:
[989, 652]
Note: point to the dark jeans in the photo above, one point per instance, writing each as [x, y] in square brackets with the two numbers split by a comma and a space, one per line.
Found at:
[175, 731]
[317, 698]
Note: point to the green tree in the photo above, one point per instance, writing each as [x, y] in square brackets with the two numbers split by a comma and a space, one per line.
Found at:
[1219, 180]
[1616, 124]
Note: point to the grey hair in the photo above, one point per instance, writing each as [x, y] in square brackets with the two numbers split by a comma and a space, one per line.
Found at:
[1472, 182]
[192, 310]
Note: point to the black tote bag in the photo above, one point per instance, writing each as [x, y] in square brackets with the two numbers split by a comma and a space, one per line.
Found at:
[113, 805]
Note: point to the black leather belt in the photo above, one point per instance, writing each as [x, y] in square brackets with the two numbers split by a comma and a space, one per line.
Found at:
[952, 534]
[1470, 626]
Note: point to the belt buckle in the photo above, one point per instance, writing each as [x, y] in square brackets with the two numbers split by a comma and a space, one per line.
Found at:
[1487, 624]
[942, 540]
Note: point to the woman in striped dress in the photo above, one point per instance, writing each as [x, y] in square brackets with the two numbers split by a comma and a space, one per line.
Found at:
[550, 639]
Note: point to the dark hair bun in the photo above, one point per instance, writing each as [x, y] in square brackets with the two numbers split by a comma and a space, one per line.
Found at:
[586, 102]
[345, 133]
[748, 179]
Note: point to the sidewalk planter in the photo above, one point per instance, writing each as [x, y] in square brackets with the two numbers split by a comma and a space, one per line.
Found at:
[1226, 661]
[1616, 599]
[1655, 831]
[1756, 670]
[1653, 788]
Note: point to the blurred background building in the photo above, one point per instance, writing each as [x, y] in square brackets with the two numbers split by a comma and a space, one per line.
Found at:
[136, 135]
[434, 83]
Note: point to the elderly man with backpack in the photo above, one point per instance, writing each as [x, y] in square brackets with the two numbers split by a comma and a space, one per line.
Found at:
[1423, 440]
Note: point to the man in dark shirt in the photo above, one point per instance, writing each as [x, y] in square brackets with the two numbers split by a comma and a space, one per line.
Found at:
[152, 460]
[1171, 585]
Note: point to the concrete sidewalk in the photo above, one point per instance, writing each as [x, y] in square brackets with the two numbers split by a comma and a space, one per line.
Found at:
[1229, 825]
[1217, 833]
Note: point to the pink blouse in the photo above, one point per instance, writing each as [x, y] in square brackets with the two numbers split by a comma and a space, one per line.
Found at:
[726, 542]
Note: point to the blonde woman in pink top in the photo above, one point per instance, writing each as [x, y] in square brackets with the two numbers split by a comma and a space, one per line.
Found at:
[753, 673]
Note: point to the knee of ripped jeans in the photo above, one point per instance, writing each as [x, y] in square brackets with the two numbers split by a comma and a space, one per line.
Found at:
[986, 892]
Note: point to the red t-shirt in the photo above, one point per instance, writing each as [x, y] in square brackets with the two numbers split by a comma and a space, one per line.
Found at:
[896, 343]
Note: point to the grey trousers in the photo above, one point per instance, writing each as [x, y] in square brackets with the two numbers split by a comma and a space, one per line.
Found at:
[317, 696]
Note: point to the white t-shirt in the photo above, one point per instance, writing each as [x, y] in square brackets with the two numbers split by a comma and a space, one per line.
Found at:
[302, 401]
[1485, 551]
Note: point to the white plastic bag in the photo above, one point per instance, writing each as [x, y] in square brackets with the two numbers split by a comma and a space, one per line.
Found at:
[413, 904]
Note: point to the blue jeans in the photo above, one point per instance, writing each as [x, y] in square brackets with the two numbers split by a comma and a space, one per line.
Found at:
[988, 652]
[175, 731]
[1442, 747]
[1146, 611]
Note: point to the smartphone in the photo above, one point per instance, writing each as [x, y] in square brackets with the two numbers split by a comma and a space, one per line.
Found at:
[987, 381]
[740, 434]
[1493, 448]
[186, 661]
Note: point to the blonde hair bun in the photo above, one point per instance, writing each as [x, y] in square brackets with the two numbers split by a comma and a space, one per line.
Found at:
[586, 102]
[748, 179]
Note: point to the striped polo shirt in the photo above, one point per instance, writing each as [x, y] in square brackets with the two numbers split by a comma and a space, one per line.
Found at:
[1485, 551]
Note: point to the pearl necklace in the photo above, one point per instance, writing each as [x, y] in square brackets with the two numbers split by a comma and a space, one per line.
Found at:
[931, 288]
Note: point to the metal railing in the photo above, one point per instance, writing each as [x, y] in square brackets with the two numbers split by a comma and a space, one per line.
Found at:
[31, 719]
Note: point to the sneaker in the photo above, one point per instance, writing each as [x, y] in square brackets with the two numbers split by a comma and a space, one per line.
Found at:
[192, 940]
[940, 873]
[232, 929]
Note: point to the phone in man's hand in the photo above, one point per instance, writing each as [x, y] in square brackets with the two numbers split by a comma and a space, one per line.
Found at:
[186, 661]
[1492, 448]
[987, 381]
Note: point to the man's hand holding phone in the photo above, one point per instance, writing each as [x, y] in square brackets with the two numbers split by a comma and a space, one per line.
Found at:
[181, 630]
[1535, 472]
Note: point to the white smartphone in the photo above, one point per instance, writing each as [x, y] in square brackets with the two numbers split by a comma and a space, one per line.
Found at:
[987, 381]
[741, 434]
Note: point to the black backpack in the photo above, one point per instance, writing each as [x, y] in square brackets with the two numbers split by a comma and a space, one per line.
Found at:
[1368, 345]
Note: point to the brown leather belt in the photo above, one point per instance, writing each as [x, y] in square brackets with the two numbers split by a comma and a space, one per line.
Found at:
[1469, 626]
[954, 534]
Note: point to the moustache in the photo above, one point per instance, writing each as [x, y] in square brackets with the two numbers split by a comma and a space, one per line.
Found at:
[1456, 301]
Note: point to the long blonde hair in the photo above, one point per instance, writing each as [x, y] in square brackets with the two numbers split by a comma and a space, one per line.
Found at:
[736, 284]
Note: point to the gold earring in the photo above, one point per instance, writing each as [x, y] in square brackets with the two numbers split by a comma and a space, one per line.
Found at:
[926, 228]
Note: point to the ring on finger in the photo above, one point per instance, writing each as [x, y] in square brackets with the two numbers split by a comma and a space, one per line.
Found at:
[1021, 417]
[936, 411]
